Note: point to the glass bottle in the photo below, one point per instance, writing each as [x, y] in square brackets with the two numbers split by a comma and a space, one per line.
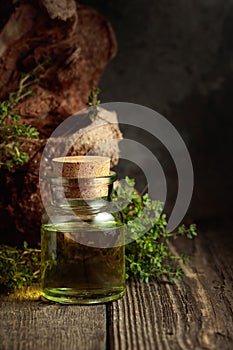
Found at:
[82, 243]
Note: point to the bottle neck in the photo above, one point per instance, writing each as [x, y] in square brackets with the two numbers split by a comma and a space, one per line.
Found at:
[82, 206]
[81, 194]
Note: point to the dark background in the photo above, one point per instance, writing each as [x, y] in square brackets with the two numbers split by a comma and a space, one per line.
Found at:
[176, 57]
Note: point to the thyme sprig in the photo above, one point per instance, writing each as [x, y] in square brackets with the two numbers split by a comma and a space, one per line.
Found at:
[93, 99]
[93, 103]
[19, 267]
[12, 130]
[148, 256]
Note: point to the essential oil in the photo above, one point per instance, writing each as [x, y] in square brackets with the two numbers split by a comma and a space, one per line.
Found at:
[82, 241]
[74, 272]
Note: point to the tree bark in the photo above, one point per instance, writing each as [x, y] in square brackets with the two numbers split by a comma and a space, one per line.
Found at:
[80, 42]
[61, 9]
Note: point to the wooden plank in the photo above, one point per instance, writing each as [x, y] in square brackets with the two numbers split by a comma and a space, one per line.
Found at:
[27, 325]
[195, 313]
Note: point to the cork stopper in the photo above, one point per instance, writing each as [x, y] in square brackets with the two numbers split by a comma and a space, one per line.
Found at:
[81, 166]
[80, 174]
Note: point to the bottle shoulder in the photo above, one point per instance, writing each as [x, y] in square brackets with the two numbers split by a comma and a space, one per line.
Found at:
[56, 214]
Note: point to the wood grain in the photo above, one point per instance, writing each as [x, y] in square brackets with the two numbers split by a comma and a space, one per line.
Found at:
[195, 313]
[36, 325]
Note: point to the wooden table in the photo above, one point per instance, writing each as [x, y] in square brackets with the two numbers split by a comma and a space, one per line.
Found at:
[196, 313]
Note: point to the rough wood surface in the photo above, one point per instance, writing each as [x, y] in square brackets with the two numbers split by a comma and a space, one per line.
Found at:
[195, 313]
[38, 326]
[79, 51]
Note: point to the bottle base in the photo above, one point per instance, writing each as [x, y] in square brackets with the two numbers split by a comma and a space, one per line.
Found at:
[84, 297]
